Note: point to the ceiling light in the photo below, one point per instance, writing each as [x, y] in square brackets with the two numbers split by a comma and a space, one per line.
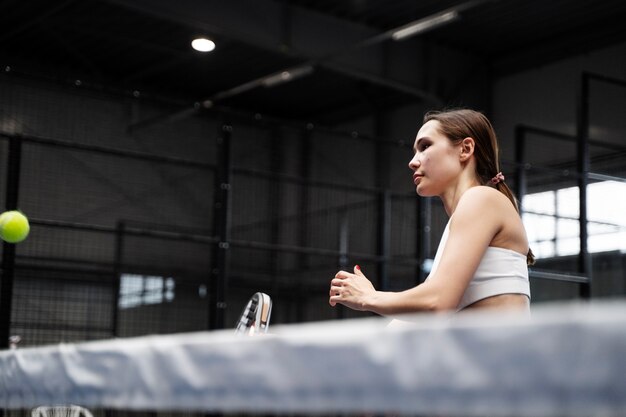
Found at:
[423, 25]
[203, 45]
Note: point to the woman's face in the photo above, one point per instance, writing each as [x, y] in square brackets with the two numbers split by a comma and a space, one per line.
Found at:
[436, 161]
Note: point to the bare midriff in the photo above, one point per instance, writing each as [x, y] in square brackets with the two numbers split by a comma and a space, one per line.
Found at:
[503, 301]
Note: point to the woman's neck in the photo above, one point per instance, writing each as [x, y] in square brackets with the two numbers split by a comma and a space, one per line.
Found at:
[451, 196]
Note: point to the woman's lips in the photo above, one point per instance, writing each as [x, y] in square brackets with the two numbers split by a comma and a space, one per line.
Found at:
[417, 178]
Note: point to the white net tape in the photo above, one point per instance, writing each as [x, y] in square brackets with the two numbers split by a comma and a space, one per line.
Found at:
[565, 360]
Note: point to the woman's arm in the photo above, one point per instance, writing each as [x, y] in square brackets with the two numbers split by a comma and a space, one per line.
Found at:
[357, 292]
[475, 222]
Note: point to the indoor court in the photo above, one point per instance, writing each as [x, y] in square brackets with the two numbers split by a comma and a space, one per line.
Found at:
[188, 206]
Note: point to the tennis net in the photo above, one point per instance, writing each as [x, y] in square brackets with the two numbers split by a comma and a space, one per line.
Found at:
[565, 360]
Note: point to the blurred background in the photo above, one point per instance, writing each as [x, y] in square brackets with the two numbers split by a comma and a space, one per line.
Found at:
[166, 185]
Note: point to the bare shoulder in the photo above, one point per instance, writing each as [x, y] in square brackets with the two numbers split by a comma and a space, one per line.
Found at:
[482, 198]
[488, 209]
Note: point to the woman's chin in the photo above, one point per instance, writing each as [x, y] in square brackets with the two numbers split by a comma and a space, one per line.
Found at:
[422, 192]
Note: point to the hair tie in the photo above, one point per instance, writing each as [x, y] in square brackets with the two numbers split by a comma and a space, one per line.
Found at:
[498, 178]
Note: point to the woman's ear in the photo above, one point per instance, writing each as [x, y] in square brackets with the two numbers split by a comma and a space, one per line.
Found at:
[467, 148]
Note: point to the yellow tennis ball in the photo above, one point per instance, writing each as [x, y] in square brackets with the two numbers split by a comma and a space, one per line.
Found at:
[14, 226]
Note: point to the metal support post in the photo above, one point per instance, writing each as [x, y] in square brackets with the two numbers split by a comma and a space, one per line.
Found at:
[583, 165]
[520, 163]
[117, 276]
[384, 239]
[344, 243]
[423, 220]
[222, 220]
[8, 251]
[303, 221]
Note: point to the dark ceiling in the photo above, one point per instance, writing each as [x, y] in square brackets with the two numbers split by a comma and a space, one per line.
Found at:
[143, 45]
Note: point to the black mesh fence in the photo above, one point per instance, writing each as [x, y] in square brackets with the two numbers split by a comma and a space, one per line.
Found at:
[127, 227]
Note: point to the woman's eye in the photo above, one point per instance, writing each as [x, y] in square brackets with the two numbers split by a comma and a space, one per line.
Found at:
[424, 147]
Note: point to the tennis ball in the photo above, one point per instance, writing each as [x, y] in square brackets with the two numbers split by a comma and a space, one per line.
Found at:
[14, 226]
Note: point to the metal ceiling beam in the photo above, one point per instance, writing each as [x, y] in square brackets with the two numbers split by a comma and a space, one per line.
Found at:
[316, 39]
[36, 20]
[385, 82]
[579, 40]
[260, 23]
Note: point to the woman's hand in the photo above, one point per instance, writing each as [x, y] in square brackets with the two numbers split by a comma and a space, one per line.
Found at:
[352, 290]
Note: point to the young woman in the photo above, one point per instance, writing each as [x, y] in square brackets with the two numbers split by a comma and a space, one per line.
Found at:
[483, 257]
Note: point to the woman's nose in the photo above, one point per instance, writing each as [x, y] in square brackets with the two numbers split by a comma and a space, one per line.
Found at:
[414, 163]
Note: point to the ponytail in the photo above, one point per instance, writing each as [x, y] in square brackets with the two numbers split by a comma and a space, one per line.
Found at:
[504, 189]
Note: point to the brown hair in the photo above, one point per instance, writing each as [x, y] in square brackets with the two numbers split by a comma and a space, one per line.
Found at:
[458, 124]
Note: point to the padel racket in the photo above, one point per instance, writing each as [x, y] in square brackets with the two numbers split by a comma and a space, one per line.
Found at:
[255, 317]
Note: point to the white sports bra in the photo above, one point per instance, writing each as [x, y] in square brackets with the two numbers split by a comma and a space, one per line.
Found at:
[501, 271]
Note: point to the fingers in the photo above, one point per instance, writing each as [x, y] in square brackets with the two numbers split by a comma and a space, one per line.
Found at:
[335, 292]
[334, 300]
[330, 299]
[344, 274]
[338, 283]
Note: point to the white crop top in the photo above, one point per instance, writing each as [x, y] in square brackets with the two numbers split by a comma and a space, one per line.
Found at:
[501, 271]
